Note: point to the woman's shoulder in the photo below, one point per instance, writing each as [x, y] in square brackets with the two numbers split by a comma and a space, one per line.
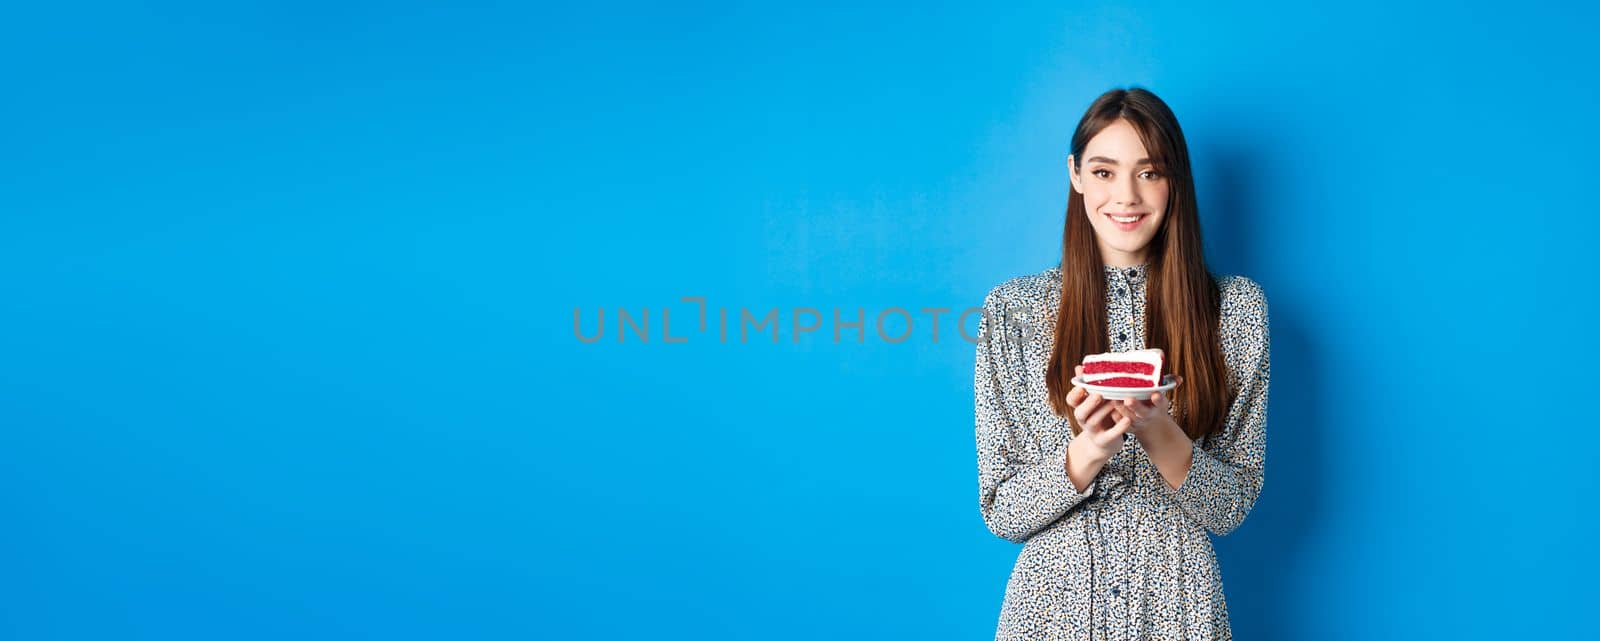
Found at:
[1244, 301]
[1025, 290]
[1242, 296]
[1239, 290]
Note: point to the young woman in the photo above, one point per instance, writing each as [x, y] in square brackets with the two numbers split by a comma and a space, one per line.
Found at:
[1113, 499]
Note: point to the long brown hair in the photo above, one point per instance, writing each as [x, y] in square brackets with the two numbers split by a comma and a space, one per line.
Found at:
[1183, 301]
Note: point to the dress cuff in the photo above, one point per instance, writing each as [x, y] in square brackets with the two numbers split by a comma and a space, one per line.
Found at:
[1201, 467]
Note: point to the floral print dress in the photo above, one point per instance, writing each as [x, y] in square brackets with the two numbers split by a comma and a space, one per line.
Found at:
[1129, 557]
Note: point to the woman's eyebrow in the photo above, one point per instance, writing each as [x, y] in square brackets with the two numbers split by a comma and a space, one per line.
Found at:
[1113, 161]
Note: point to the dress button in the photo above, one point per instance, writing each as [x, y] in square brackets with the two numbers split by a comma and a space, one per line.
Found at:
[1122, 336]
[1122, 292]
[1115, 592]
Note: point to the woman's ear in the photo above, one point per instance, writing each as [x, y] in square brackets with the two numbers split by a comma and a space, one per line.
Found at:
[1072, 173]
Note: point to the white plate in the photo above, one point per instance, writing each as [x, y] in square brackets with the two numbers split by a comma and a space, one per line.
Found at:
[1119, 393]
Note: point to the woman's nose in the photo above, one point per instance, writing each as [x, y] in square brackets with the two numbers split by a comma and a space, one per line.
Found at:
[1125, 193]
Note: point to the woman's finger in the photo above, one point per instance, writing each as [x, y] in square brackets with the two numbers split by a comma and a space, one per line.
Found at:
[1095, 419]
[1104, 411]
[1086, 408]
[1116, 431]
[1075, 396]
[1089, 426]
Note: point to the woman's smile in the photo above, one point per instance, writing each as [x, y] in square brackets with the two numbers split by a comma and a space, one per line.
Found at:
[1126, 223]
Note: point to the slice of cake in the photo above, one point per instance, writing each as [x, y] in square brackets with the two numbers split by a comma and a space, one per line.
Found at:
[1138, 368]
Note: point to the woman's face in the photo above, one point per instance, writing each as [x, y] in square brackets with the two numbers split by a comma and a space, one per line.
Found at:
[1117, 179]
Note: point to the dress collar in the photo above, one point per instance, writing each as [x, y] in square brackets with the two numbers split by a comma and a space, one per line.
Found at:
[1135, 273]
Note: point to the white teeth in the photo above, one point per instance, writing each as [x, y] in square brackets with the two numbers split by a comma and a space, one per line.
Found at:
[1125, 220]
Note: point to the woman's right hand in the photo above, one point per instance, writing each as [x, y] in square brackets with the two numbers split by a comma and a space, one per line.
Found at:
[1102, 435]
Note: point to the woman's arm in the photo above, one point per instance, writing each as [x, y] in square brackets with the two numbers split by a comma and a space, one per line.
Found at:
[1217, 484]
[1082, 467]
[1169, 448]
[1017, 496]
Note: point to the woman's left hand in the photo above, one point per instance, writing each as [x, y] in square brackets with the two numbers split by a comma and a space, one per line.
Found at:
[1147, 416]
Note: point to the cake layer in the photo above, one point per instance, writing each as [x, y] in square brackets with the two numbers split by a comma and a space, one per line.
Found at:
[1122, 381]
[1125, 367]
[1136, 368]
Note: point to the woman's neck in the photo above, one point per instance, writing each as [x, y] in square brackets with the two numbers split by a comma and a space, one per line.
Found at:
[1122, 262]
[1116, 258]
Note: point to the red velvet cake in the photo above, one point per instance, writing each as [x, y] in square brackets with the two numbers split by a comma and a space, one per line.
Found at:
[1138, 368]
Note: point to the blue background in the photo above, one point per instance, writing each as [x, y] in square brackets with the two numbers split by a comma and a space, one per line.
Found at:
[288, 345]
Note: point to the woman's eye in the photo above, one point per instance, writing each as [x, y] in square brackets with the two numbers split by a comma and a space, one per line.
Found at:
[1098, 172]
[1150, 175]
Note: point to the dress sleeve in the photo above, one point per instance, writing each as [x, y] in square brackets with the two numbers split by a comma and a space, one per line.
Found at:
[1018, 493]
[1226, 473]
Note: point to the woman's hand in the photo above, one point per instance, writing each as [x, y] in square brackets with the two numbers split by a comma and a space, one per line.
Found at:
[1103, 427]
[1163, 439]
[1147, 417]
